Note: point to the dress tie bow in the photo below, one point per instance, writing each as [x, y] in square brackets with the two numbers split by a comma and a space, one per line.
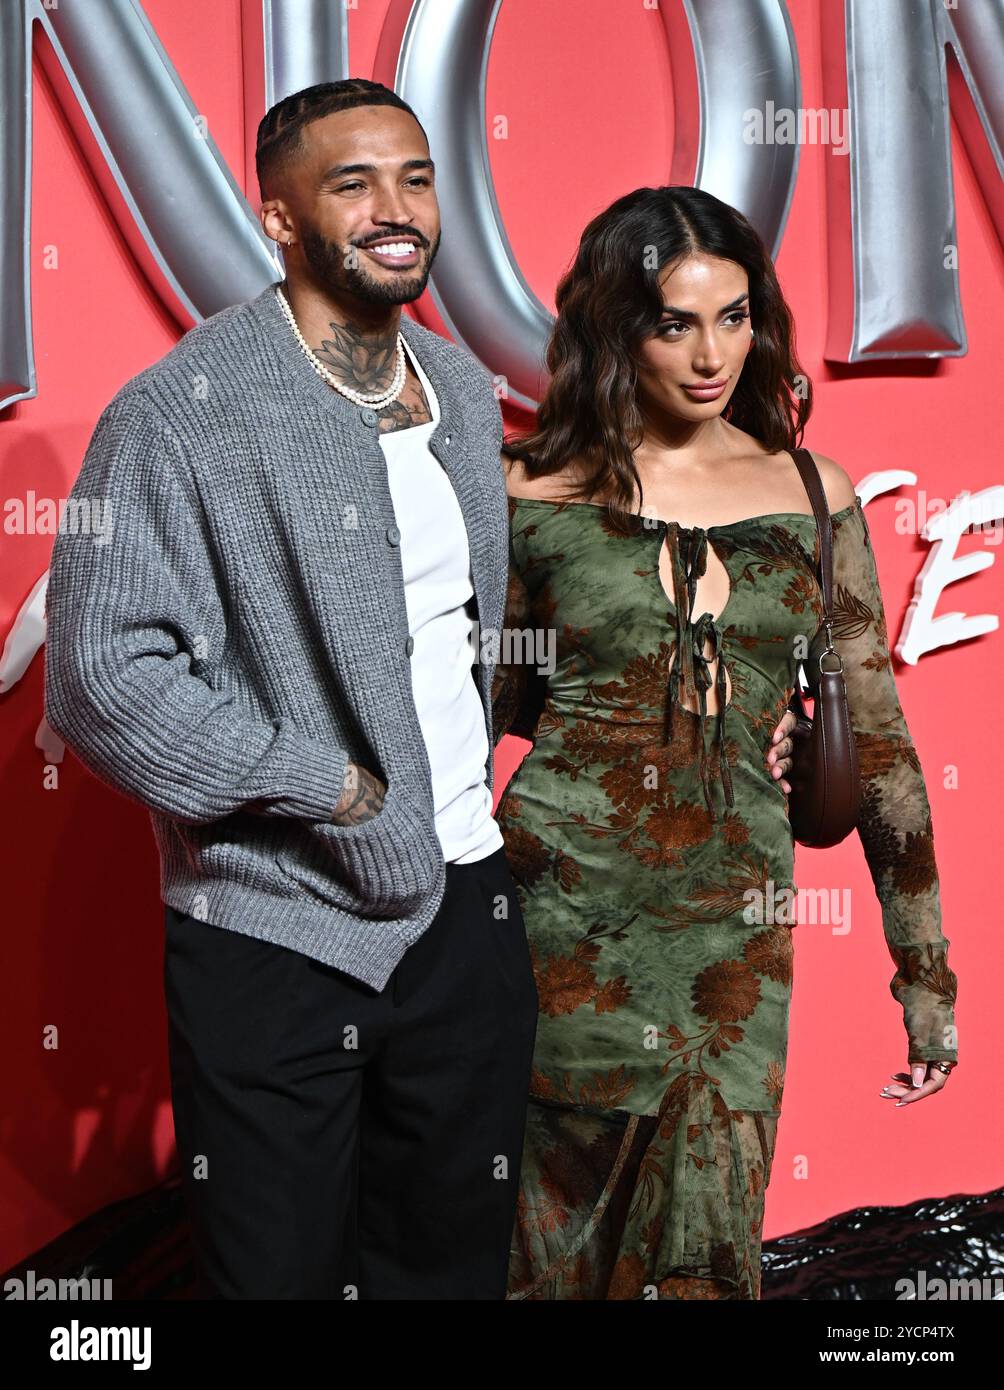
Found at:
[690, 675]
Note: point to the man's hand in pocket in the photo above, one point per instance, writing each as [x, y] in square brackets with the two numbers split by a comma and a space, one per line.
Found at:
[362, 796]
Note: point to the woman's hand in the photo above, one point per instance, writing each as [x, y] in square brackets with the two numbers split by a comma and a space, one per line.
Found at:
[779, 754]
[923, 1079]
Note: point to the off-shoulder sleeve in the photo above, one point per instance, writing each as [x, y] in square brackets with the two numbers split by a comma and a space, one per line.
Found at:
[895, 821]
[518, 689]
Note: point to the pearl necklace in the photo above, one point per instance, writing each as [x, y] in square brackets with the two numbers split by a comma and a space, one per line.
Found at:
[374, 402]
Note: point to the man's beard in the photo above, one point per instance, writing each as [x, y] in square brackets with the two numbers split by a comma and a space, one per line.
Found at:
[326, 260]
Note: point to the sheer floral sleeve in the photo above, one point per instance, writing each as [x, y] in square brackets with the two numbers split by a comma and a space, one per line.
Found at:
[895, 821]
[518, 689]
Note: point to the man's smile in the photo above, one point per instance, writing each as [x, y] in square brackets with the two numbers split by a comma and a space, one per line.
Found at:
[399, 252]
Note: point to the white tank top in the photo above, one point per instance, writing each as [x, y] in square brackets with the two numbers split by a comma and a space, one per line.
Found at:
[436, 560]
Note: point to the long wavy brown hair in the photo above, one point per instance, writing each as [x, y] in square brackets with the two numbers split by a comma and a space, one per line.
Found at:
[609, 302]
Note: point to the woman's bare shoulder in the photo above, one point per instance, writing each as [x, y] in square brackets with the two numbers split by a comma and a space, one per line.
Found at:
[836, 483]
[551, 488]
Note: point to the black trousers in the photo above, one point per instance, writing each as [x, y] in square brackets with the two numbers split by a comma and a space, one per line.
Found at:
[339, 1142]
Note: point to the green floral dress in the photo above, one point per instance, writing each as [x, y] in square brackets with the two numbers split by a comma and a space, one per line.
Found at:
[653, 858]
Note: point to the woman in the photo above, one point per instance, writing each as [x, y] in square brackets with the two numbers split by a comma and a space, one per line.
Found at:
[660, 527]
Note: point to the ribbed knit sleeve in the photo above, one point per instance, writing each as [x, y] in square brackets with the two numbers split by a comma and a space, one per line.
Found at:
[124, 621]
[895, 825]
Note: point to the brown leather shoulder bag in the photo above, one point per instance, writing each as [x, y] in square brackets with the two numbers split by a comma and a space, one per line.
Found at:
[825, 797]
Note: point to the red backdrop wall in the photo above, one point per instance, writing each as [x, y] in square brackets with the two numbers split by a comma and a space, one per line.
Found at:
[585, 85]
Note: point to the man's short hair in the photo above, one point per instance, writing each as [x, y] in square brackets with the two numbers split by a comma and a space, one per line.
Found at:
[280, 131]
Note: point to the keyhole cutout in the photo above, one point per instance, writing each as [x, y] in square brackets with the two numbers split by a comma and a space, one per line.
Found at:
[714, 589]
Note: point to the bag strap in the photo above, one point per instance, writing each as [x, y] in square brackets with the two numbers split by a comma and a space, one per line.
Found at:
[806, 465]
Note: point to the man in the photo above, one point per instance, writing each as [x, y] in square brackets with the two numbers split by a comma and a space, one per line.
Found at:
[273, 655]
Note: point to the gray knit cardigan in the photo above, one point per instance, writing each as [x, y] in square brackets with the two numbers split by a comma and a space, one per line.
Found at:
[239, 632]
